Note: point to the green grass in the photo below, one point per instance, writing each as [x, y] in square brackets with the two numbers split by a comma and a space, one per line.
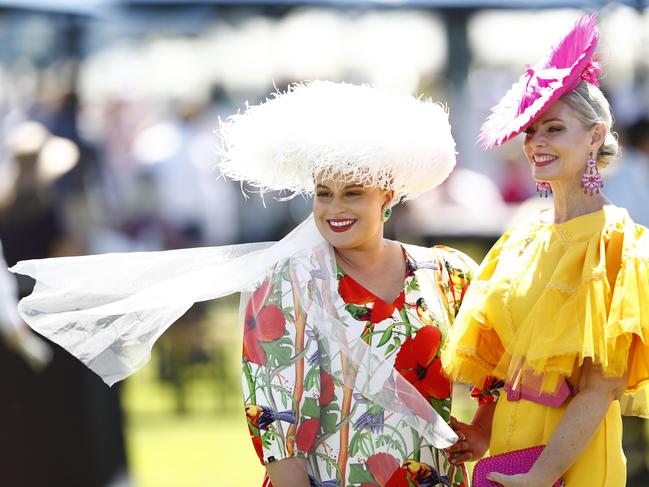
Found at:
[209, 445]
[197, 451]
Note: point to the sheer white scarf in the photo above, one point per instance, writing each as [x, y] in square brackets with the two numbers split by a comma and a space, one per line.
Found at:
[108, 310]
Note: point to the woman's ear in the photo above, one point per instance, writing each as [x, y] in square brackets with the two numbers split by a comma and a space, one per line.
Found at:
[598, 136]
[389, 196]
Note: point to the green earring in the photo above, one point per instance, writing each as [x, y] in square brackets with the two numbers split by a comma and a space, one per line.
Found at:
[387, 214]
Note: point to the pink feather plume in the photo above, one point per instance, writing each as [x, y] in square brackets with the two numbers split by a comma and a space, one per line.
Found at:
[561, 71]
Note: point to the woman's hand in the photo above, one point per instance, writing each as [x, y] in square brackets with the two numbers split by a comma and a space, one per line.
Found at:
[474, 438]
[472, 444]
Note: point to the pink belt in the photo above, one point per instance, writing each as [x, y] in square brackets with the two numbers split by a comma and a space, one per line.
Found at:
[563, 392]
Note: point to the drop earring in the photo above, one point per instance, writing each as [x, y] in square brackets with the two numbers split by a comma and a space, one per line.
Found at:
[387, 214]
[592, 179]
[543, 188]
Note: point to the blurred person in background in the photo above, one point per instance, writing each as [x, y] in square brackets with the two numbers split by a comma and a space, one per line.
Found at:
[13, 332]
[178, 201]
[627, 181]
[342, 377]
[191, 204]
[158, 185]
[514, 183]
[627, 185]
[447, 211]
[59, 418]
[558, 310]
[29, 223]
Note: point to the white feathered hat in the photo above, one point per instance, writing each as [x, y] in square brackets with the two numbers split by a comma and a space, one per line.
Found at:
[357, 133]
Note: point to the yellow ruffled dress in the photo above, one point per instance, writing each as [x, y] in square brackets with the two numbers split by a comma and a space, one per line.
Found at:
[548, 296]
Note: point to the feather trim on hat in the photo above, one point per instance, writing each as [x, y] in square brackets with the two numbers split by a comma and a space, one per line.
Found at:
[349, 132]
[558, 73]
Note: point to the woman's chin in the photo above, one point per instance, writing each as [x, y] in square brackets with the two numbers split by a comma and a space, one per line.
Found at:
[549, 173]
[545, 176]
[341, 240]
[340, 243]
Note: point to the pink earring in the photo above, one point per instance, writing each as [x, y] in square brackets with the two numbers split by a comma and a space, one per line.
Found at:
[592, 179]
[543, 188]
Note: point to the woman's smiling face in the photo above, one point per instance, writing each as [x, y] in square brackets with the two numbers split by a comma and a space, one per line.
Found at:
[349, 215]
[557, 145]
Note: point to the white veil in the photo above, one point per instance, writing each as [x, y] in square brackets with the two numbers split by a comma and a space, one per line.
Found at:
[108, 310]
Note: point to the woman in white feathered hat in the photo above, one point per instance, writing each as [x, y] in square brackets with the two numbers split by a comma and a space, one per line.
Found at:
[343, 383]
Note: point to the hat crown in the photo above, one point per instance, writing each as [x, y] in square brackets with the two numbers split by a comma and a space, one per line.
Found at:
[366, 135]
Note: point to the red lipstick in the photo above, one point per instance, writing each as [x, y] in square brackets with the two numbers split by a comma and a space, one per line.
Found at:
[341, 225]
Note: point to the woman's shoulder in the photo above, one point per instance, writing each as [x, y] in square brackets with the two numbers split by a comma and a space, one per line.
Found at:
[621, 235]
[599, 225]
[593, 244]
[610, 228]
[618, 219]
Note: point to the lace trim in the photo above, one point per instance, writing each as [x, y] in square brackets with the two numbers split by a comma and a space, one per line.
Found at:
[610, 370]
[515, 279]
[511, 425]
[470, 355]
[566, 239]
[562, 288]
[598, 273]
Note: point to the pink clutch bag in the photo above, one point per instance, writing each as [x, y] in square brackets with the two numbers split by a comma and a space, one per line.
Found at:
[511, 463]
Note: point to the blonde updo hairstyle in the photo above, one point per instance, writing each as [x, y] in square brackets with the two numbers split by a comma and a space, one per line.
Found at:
[591, 107]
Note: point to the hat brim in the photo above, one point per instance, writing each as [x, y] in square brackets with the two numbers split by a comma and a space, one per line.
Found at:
[556, 74]
[328, 129]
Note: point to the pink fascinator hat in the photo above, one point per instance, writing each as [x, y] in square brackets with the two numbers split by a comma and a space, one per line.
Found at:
[569, 63]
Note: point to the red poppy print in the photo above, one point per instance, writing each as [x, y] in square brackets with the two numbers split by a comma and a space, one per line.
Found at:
[326, 388]
[262, 323]
[400, 478]
[353, 293]
[257, 443]
[306, 434]
[489, 392]
[418, 364]
[382, 467]
[382, 310]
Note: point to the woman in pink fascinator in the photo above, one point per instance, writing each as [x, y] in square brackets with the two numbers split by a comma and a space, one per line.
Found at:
[559, 311]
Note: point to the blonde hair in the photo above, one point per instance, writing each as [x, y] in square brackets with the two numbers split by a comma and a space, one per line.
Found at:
[591, 107]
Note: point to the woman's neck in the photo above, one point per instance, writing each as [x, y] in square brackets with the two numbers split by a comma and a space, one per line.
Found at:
[570, 201]
[366, 257]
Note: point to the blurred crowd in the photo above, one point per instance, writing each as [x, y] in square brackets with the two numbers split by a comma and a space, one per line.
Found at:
[83, 175]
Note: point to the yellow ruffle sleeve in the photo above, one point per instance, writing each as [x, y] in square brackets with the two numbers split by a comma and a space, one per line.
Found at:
[628, 322]
[473, 350]
[595, 304]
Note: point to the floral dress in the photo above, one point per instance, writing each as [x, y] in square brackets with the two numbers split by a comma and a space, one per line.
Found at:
[296, 407]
